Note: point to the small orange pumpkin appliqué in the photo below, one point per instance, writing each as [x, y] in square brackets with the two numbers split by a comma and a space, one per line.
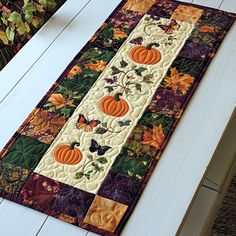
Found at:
[207, 29]
[68, 154]
[145, 54]
[114, 105]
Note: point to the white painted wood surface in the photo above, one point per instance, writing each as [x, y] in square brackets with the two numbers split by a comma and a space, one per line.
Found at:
[181, 168]
[200, 211]
[223, 157]
[209, 3]
[228, 5]
[219, 173]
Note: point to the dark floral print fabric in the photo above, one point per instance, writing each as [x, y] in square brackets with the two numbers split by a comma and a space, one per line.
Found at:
[72, 202]
[120, 188]
[12, 179]
[39, 192]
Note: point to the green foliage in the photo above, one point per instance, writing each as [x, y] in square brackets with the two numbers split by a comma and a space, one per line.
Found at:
[104, 128]
[94, 168]
[51, 4]
[123, 64]
[25, 17]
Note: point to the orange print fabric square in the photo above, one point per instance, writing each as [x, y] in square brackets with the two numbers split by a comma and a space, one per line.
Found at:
[187, 14]
[105, 214]
[139, 5]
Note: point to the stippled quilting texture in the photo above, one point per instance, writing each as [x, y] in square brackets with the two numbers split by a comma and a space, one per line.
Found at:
[86, 152]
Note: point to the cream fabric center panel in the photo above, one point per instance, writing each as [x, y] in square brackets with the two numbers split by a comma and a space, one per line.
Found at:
[137, 99]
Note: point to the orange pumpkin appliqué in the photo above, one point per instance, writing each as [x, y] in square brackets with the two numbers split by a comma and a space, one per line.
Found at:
[145, 54]
[114, 105]
[207, 29]
[68, 154]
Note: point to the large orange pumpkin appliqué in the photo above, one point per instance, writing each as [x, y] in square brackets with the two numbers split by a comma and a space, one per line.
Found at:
[68, 154]
[145, 54]
[114, 105]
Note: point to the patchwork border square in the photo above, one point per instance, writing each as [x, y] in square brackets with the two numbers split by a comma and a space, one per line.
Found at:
[12, 179]
[105, 214]
[25, 152]
[39, 193]
[44, 126]
[73, 203]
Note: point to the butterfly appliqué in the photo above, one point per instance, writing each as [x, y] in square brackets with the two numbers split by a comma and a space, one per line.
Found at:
[85, 124]
[95, 147]
[171, 27]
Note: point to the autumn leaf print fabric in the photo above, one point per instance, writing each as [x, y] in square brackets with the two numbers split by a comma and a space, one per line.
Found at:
[86, 152]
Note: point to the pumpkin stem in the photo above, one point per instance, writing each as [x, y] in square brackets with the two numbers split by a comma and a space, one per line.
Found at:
[149, 46]
[72, 146]
[117, 96]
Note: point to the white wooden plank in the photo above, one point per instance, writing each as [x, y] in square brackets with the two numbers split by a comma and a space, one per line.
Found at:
[200, 212]
[19, 220]
[208, 3]
[22, 62]
[91, 234]
[228, 5]
[189, 1]
[57, 227]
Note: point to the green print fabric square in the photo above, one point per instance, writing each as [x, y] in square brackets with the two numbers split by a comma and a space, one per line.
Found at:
[25, 152]
[78, 81]
[132, 163]
[150, 119]
[209, 28]
[12, 178]
[188, 66]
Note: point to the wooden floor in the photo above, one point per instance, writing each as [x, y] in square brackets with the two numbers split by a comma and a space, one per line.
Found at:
[180, 171]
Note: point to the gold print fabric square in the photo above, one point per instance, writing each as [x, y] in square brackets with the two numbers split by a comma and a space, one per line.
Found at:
[105, 214]
[139, 5]
[187, 14]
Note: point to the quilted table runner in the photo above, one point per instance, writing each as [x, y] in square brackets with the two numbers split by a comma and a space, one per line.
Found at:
[19, 21]
[86, 152]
